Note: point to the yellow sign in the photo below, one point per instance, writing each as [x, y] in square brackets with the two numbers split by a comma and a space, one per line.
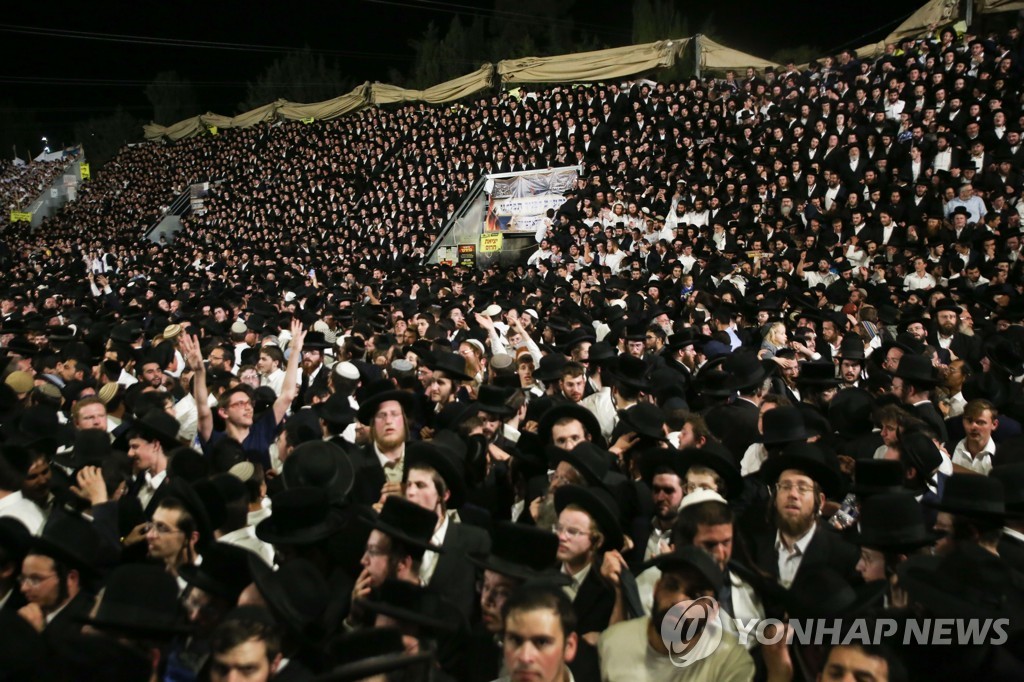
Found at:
[84, 167]
[17, 216]
[213, 130]
[308, 120]
[489, 243]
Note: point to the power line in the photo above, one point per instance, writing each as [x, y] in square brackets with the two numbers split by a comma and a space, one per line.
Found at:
[183, 42]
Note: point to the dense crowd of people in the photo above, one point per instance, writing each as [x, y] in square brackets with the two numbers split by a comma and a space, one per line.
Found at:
[21, 183]
[767, 355]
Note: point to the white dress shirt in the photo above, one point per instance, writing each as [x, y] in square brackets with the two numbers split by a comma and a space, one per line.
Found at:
[981, 464]
[790, 558]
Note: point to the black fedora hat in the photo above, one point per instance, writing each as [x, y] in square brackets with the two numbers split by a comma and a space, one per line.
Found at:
[646, 420]
[452, 365]
[574, 411]
[181, 490]
[70, 539]
[405, 521]
[383, 393]
[492, 399]
[602, 352]
[784, 424]
[224, 571]
[577, 336]
[917, 369]
[849, 412]
[297, 594]
[851, 348]
[601, 507]
[628, 371]
[591, 461]
[745, 370]
[336, 411]
[319, 464]
[892, 522]
[413, 604]
[808, 458]
[522, 552]
[370, 653]
[690, 557]
[442, 459]
[301, 516]
[140, 600]
[550, 367]
[973, 496]
[316, 341]
[820, 375]
[15, 538]
[877, 476]
[715, 456]
[159, 426]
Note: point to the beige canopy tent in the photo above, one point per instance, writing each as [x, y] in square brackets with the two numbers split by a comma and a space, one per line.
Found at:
[599, 65]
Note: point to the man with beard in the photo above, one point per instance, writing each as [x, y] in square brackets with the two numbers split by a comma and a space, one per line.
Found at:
[379, 465]
[636, 650]
[951, 343]
[803, 480]
[665, 474]
[315, 377]
[851, 361]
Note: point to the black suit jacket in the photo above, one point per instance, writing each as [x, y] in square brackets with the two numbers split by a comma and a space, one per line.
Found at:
[369, 476]
[454, 576]
[594, 602]
[826, 548]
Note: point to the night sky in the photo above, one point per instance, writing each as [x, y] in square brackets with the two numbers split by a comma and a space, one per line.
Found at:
[64, 77]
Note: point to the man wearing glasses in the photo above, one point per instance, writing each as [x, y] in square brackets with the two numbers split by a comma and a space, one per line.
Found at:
[172, 535]
[235, 405]
[803, 480]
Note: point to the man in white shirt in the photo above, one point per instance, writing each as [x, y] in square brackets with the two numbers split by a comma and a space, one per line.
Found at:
[13, 503]
[638, 649]
[977, 449]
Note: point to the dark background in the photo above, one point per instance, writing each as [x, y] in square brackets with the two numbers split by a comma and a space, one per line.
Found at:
[55, 83]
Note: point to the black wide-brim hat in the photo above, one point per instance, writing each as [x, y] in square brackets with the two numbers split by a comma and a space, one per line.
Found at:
[302, 516]
[491, 399]
[601, 507]
[140, 600]
[818, 375]
[415, 604]
[369, 406]
[745, 370]
[429, 454]
[973, 496]
[224, 571]
[917, 369]
[374, 665]
[296, 594]
[645, 419]
[452, 365]
[808, 458]
[70, 539]
[689, 557]
[587, 458]
[576, 411]
[404, 521]
[892, 522]
[320, 464]
[157, 425]
[522, 552]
